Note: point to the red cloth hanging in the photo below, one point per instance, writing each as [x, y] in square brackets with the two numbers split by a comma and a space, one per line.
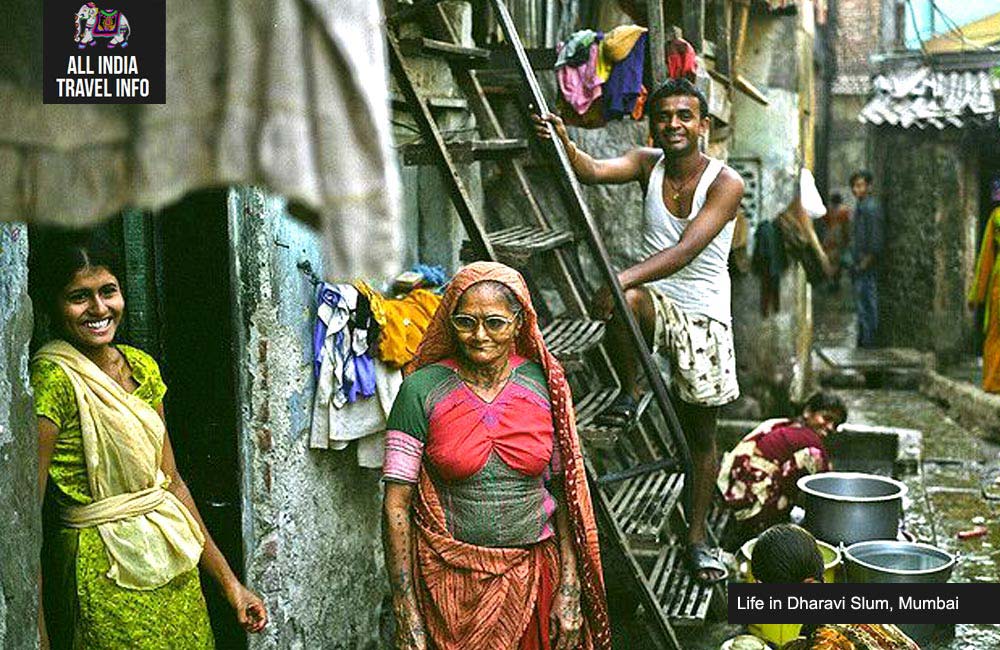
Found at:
[682, 61]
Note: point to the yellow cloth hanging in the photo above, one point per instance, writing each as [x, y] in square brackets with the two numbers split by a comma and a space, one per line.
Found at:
[619, 42]
[985, 290]
[150, 536]
[604, 63]
[406, 320]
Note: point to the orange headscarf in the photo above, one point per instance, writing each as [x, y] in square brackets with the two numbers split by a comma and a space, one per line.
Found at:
[494, 587]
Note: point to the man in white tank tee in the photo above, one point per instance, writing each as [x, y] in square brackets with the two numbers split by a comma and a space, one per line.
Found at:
[678, 288]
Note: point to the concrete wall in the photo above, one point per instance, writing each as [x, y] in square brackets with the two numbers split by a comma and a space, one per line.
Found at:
[310, 518]
[848, 150]
[930, 197]
[769, 362]
[856, 35]
[19, 504]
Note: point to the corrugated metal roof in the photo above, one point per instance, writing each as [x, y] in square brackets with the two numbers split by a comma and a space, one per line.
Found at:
[977, 35]
[924, 97]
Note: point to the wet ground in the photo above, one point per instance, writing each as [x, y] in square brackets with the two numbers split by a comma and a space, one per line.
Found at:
[946, 487]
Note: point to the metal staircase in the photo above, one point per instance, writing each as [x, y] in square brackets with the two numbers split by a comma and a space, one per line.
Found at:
[636, 475]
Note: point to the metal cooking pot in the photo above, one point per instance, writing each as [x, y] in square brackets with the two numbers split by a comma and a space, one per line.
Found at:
[848, 507]
[893, 561]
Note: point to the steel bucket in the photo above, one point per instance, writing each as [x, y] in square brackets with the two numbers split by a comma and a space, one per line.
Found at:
[893, 561]
[848, 507]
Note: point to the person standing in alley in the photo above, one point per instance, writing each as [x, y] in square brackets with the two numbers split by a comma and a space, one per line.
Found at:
[678, 288]
[867, 244]
[836, 223]
[985, 291]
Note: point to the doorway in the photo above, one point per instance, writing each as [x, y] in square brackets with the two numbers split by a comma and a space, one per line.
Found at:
[179, 310]
[191, 259]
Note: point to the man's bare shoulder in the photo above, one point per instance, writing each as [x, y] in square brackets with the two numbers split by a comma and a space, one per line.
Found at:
[728, 181]
[647, 158]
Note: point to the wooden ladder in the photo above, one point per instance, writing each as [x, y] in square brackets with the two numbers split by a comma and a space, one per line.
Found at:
[636, 475]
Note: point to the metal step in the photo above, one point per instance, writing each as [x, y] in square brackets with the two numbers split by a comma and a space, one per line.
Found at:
[466, 151]
[457, 54]
[514, 246]
[643, 504]
[569, 339]
[593, 404]
[684, 600]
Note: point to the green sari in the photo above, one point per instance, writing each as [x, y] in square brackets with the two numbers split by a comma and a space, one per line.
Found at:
[83, 607]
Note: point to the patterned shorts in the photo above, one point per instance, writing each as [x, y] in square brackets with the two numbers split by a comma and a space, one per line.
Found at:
[700, 351]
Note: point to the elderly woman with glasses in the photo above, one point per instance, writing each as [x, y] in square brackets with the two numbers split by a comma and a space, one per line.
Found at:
[489, 530]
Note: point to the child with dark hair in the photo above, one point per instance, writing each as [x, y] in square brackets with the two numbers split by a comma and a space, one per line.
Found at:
[122, 562]
[836, 236]
[758, 477]
[788, 554]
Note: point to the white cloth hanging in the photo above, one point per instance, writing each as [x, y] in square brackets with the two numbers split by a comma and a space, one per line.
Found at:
[363, 420]
[291, 95]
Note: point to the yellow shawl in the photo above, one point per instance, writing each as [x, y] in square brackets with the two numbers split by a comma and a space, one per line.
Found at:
[150, 536]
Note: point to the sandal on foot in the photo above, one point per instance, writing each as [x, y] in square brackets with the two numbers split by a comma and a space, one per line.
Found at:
[623, 412]
[699, 559]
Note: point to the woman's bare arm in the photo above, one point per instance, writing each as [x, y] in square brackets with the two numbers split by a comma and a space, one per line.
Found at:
[397, 541]
[250, 610]
[47, 434]
[566, 617]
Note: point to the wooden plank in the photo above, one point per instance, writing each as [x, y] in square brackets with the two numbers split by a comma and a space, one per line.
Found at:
[694, 23]
[420, 46]
[723, 34]
[639, 470]
[465, 152]
[657, 42]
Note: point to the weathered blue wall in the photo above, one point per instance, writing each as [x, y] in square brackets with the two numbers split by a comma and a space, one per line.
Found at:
[19, 506]
[311, 518]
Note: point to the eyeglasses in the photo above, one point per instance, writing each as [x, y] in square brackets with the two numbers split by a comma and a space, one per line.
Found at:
[494, 324]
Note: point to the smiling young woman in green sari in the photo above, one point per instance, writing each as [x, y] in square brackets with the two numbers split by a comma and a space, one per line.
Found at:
[122, 562]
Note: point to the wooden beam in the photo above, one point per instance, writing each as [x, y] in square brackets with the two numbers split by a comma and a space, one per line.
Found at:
[723, 33]
[694, 23]
[741, 35]
[657, 42]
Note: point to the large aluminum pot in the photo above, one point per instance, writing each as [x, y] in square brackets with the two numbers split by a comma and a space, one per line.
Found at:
[848, 507]
[893, 561]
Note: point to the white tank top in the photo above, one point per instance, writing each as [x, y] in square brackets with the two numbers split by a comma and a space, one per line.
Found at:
[703, 286]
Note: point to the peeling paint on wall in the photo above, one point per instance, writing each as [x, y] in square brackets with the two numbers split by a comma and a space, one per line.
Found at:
[311, 517]
[19, 505]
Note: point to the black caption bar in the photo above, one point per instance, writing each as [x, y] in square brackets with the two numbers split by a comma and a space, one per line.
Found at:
[864, 603]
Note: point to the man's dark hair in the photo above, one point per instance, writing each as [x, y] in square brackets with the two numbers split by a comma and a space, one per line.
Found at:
[836, 198]
[862, 173]
[678, 87]
[786, 554]
[827, 401]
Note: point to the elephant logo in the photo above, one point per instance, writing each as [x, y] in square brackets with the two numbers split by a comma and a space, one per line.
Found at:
[92, 22]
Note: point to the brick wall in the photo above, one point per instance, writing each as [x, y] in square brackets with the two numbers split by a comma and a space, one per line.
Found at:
[855, 39]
